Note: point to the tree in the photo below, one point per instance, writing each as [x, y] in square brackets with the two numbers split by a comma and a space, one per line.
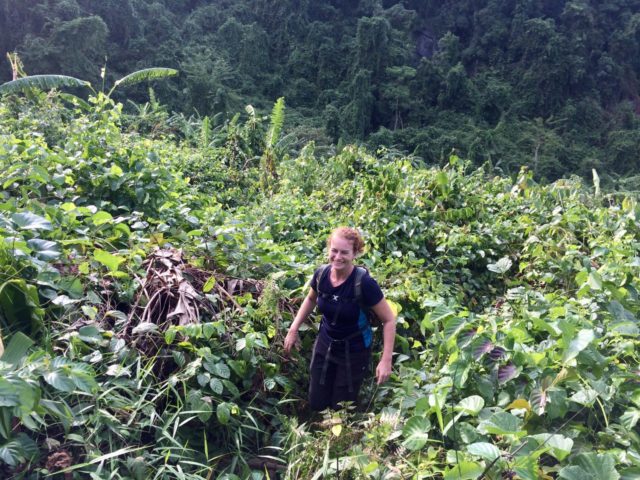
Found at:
[357, 113]
[372, 41]
[84, 36]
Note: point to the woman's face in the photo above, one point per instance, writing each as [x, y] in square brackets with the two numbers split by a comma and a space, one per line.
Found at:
[341, 254]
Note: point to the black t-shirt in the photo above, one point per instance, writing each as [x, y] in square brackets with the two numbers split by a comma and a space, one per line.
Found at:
[342, 317]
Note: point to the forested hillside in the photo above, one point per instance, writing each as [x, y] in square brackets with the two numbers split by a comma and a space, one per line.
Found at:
[148, 277]
[548, 83]
[156, 239]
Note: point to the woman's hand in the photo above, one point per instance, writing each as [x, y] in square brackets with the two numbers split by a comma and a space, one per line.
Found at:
[306, 308]
[383, 371]
[290, 340]
[388, 319]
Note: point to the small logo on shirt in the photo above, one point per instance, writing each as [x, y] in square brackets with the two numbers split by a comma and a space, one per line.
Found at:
[335, 298]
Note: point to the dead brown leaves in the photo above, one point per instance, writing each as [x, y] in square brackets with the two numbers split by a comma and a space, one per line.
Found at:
[171, 293]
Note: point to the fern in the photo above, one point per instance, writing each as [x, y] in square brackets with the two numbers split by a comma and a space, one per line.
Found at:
[205, 132]
[41, 82]
[269, 173]
[155, 105]
[277, 120]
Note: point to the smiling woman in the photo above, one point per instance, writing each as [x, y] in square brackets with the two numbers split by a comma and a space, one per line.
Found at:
[344, 294]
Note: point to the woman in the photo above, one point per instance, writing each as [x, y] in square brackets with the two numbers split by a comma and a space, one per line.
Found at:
[342, 350]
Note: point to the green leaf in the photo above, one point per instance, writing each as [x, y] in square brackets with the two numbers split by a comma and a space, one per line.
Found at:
[501, 423]
[595, 280]
[560, 446]
[209, 284]
[223, 412]
[460, 370]
[578, 344]
[208, 330]
[83, 377]
[200, 404]
[625, 322]
[470, 405]
[90, 311]
[101, 217]
[629, 419]
[112, 262]
[487, 451]
[370, 468]
[620, 313]
[31, 221]
[11, 453]
[16, 349]
[44, 249]
[59, 380]
[416, 433]
[526, 468]
[90, 334]
[41, 82]
[203, 378]
[221, 370]
[453, 326]
[591, 466]
[464, 470]
[115, 170]
[440, 313]
[145, 75]
[584, 396]
[216, 386]
[501, 266]
[8, 394]
[231, 388]
[170, 335]
[20, 306]
[632, 473]
[442, 179]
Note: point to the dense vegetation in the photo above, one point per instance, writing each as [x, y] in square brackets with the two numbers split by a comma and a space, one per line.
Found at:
[548, 83]
[150, 270]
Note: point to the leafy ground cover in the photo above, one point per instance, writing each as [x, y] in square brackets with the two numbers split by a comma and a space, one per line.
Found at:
[147, 282]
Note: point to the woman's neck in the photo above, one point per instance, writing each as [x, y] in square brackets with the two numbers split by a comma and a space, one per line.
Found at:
[341, 275]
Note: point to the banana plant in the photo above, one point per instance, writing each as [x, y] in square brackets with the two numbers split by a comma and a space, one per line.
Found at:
[49, 82]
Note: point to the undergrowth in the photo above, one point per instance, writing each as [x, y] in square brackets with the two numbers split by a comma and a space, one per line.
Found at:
[147, 283]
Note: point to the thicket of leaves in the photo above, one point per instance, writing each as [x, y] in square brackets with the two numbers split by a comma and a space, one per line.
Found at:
[157, 278]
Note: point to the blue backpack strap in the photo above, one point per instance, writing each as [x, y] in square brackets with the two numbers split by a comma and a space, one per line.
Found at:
[371, 316]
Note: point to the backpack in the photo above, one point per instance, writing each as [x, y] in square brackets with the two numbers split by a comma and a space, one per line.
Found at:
[374, 321]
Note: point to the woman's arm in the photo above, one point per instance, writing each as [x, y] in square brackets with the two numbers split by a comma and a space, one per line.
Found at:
[387, 317]
[306, 308]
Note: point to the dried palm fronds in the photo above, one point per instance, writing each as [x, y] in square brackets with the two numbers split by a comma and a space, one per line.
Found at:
[176, 293]
[168, 297]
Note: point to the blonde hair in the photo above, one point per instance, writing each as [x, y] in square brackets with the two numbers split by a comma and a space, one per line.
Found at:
[350, 234]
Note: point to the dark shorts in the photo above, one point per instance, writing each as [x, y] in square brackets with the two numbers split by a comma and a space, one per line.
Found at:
[335, 387]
